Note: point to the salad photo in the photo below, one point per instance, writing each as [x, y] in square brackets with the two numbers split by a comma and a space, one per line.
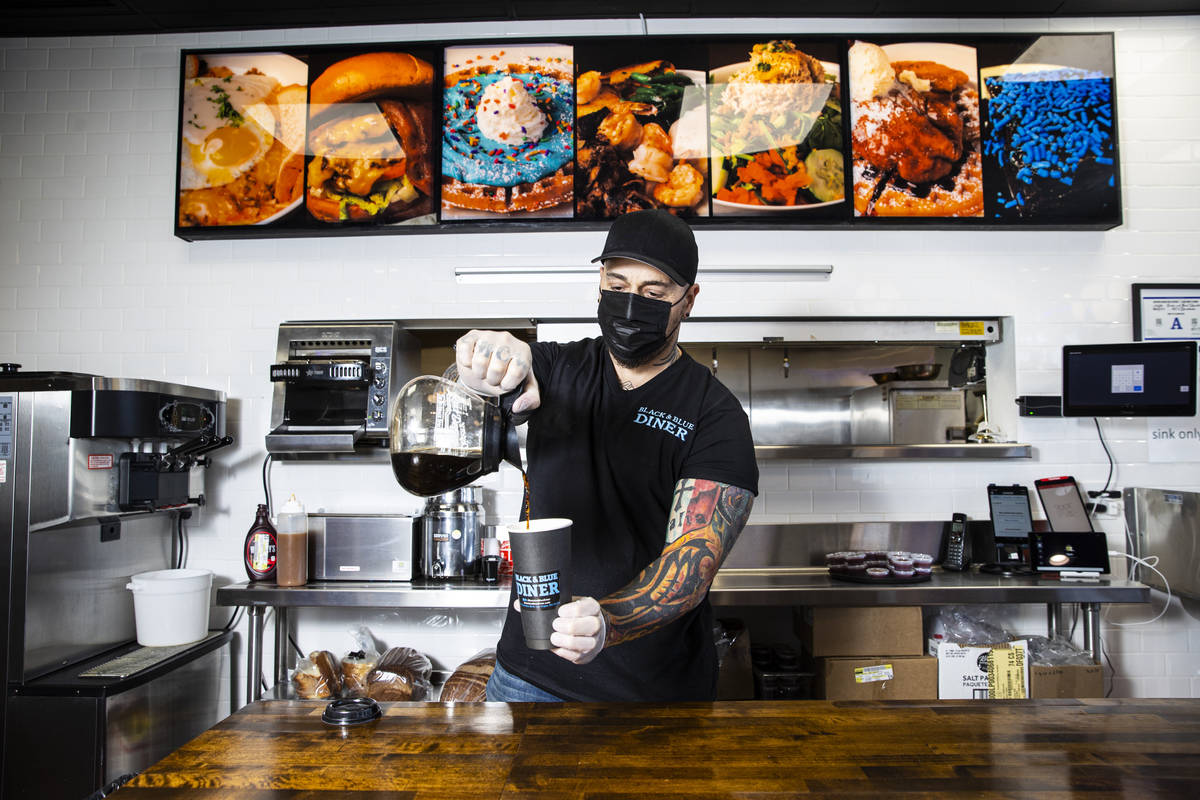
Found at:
[776, 132]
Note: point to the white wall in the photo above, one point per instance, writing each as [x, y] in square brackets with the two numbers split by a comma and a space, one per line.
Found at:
[91, 279]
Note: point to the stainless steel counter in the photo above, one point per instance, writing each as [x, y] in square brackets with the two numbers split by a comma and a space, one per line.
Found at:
[807, 586]
[810, 586]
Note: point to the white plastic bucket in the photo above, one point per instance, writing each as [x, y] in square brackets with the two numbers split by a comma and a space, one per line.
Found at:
[170, 606]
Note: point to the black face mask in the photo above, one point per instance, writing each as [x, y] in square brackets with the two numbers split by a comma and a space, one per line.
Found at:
[634, 327]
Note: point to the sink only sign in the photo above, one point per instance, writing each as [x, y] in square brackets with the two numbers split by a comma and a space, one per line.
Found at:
[1174, 441]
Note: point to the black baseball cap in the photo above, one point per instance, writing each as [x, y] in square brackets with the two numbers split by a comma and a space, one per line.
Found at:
[657, 238]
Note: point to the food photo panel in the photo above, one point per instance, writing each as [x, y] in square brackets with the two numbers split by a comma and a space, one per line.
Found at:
[370, 139]
[1049, 129]
[641, 131]
[914, 129]
[241, 139]
[775, 129]
[508, 132]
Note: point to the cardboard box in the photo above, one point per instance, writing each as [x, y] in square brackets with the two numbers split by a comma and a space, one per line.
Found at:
[1072, 680]
[878, 678]
[996, 671]
[861, 631]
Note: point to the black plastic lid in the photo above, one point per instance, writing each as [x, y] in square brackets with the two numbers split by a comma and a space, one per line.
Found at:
[351, 711]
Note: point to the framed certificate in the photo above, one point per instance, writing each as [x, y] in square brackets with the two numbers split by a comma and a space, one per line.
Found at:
[1166, 311]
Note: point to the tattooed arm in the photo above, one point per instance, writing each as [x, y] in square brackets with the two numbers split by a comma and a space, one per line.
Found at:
[706, 518]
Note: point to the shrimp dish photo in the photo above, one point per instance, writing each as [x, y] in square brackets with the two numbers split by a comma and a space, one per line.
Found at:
[640, 142]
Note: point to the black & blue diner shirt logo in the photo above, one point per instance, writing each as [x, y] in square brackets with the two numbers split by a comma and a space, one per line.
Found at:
[662, 421]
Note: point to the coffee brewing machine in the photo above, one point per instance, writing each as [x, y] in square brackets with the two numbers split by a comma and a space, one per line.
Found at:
[94, 475]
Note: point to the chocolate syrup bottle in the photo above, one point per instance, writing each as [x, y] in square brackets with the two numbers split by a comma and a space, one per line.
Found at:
[259, 553]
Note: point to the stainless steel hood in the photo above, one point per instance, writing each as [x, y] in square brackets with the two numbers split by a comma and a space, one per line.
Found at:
[807, 330]
[826, 387]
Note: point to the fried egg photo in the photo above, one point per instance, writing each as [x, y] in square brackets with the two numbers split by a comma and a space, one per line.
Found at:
[227, 128]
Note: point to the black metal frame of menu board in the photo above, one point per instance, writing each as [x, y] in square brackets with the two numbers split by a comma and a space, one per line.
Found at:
[1037, 171]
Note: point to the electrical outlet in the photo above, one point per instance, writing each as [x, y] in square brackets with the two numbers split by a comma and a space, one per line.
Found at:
[1112, 509]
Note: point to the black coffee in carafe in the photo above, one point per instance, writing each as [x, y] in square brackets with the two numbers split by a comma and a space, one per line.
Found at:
[444, 436]
[429, 473]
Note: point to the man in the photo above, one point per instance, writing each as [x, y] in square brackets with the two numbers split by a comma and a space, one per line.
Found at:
[649, 456]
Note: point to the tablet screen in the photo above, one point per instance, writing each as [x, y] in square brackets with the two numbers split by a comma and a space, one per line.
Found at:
[1064, 507]
[1011, 518]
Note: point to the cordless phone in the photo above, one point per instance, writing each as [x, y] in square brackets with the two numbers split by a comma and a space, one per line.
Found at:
[958, 549]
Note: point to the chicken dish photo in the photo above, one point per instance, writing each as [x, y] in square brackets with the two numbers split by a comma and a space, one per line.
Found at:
[915, 131]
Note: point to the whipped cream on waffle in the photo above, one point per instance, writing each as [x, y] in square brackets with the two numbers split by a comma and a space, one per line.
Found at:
[507, 114]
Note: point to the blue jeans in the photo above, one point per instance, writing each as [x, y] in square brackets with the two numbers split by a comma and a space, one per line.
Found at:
[504, 687]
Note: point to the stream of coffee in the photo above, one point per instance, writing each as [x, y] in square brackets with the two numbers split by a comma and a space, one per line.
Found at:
[528, 513]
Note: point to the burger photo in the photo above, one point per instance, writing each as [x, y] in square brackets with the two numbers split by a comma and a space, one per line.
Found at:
[370, 118]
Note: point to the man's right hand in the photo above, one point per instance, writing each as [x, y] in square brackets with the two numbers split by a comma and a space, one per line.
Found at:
[495, 362]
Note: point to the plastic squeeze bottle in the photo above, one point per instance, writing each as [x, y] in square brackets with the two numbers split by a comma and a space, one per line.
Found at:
[259, 553]
[293, 544]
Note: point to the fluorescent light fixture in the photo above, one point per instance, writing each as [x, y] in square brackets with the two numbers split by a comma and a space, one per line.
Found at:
[813, 272]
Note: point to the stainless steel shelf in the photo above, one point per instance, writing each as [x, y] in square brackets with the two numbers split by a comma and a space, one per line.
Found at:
[367, 594]
[957, 450]
[813, 586]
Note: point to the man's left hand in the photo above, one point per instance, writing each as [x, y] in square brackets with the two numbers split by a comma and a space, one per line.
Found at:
[579, 630]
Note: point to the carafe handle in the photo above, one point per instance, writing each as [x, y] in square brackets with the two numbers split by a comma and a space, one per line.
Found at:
[506, 403]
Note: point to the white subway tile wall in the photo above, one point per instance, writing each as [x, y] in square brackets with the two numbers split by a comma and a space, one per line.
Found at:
[92, 279]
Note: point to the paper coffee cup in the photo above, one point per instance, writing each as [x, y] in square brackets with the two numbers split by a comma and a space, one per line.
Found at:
[541, 555]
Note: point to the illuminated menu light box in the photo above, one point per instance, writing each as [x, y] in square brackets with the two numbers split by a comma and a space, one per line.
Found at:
[751, 132]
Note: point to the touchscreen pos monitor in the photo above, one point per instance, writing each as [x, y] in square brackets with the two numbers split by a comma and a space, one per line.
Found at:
[1138, 379]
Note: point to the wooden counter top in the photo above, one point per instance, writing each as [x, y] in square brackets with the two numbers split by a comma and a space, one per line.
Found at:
[1132, 748]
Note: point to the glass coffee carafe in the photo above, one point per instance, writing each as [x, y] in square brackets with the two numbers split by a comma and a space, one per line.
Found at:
[443, 435]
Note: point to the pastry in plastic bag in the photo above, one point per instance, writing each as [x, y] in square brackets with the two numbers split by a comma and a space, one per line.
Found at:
[358, 663]
[317, 676]
[401, 674]
[468, 684]
[356, 669]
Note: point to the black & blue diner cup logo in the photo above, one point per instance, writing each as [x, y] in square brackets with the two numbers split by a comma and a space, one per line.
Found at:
[537, 590]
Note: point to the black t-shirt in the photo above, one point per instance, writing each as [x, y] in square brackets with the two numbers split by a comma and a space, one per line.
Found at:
[609, 459]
